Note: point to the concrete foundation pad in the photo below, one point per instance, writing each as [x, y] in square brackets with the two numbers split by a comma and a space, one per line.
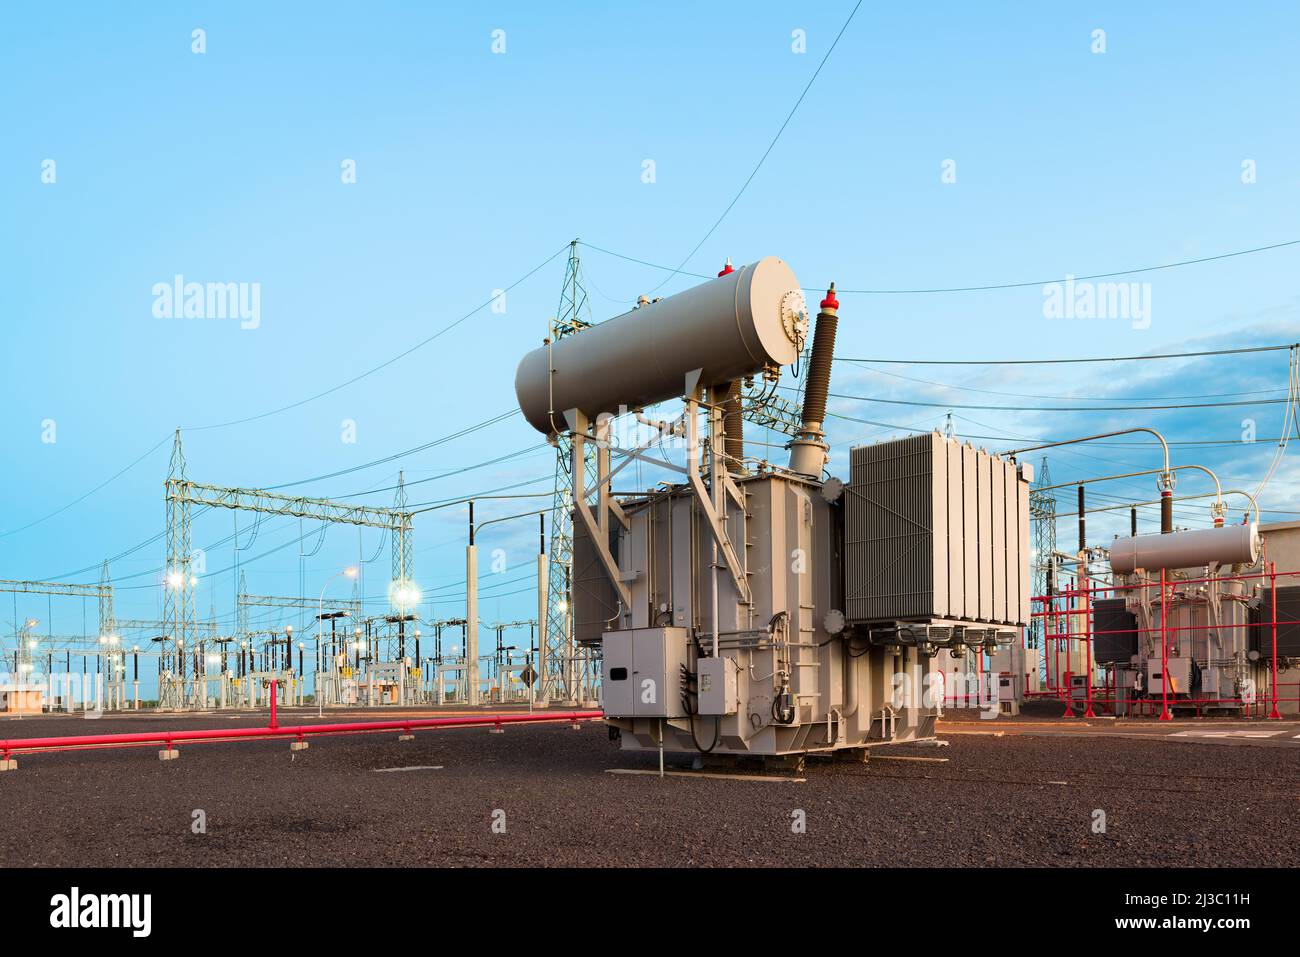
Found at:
[907, 757]
[406, 737]
[496, 730]
[9, 765]
[169, 755]
[711, 775]
[298, 745]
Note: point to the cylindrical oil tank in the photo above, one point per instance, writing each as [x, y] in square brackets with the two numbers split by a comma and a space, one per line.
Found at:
[729, 327]
[1228, 545]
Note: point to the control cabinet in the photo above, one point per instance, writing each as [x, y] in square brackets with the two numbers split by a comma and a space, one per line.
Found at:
[642, 672]
[717, 686]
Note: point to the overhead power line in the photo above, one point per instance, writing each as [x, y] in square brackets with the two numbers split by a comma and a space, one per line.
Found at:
[1060, 408]
[770, 146]
[1098, 275]
[893, 426]
[1047, 362]
[301, 402]
[468, 430]
[447, 474]
[81, 498]
[981, 288]
[1067, 398]
[1015, 439]
[387, 362]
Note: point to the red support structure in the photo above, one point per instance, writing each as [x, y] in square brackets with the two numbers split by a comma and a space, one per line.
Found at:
[1257, 705]
[1272, 575]
[1066, 687]
[1051, 647]
[1164, 652]
[1085, 605]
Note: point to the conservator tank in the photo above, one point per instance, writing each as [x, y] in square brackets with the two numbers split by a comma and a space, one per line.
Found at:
[749, 319]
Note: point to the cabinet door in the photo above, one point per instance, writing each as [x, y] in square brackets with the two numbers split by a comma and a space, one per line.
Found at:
[650, 669]
[618, 685]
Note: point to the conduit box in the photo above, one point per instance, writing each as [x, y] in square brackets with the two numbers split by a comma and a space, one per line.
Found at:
[717, 686]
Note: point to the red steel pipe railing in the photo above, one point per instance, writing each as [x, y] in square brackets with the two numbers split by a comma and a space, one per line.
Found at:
[274, 730]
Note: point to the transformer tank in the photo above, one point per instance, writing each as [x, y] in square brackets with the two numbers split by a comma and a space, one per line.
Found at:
[776, 682]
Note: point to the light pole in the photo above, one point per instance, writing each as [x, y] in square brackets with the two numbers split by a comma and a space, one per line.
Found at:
[287, 665]
[99, 674]
[116, 675]
[420, 694]
[471, 590]
[349, 572]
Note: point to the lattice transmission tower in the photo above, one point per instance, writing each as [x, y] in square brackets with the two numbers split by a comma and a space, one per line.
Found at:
[107, 623]
[1042, 514]
[571, 317]
[403, 556]
[179, 626]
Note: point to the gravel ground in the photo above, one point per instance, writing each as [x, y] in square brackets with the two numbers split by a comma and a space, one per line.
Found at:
[996, 801]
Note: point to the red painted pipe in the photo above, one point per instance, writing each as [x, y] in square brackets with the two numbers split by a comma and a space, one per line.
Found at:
[169, 738]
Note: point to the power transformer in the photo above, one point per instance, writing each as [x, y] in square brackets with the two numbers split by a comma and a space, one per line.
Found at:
[756, 609]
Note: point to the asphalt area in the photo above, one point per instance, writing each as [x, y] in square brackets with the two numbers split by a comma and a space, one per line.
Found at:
[1028, 791]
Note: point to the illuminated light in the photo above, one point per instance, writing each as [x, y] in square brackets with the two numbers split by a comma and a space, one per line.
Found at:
[175, 579]
[403, 594]
[350, 571]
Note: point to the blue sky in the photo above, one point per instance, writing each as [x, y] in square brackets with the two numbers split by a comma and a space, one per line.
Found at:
[473, 167]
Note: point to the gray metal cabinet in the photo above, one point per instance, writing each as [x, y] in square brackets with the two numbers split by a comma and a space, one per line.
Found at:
[641, 672]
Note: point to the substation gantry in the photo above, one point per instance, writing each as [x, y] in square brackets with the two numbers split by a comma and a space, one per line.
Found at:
[179, 626]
